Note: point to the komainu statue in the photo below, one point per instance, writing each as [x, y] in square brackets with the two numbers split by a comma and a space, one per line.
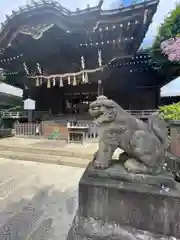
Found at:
[144, 144]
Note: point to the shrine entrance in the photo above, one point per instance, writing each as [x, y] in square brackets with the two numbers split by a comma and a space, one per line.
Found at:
[79, 103]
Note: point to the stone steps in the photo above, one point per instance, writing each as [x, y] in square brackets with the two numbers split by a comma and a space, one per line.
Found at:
[63, 152]
[33, 155]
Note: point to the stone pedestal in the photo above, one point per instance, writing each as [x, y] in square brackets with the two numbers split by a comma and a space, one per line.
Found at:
[114, 204]
[175, 137]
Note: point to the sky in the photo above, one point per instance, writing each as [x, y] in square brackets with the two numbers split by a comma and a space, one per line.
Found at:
[171, 89]
[163, 10]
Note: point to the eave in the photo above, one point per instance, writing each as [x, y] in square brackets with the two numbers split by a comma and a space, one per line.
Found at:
[88, 20]
[9, 100]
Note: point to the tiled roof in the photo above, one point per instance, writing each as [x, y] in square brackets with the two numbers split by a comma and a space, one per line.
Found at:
[8, 89]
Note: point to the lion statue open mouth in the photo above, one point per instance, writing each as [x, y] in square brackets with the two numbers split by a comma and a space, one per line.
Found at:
[103, 110]
[144, 144]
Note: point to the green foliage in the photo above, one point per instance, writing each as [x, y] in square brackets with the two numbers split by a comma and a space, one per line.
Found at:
[170, 112]
[55, 134]
[169, 29]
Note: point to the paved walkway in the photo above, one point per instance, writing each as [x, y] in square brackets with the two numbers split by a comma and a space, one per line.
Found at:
[47, 143]
[37, 201]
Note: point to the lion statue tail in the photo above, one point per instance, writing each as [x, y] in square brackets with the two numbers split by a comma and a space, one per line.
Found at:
[159, 128]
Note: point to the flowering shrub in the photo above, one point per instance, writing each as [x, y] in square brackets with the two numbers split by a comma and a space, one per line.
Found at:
[171, 48]
[170, 112]
[165, 51]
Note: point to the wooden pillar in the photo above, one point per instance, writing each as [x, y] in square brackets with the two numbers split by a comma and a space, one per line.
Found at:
[100, 88]
[30, 116]
[158, 97]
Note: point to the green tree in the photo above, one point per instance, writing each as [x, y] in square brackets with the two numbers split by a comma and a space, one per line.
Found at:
[169, 29]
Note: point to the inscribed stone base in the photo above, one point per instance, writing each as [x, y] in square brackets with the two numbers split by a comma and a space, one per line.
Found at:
[117, 209]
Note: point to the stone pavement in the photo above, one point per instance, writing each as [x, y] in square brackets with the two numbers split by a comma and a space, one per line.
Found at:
[37, 201]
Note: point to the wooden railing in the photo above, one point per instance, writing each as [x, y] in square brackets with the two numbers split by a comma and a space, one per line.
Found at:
[24, 114]
[87, 126]
[142, 113]
[91, 130]
[15, 115]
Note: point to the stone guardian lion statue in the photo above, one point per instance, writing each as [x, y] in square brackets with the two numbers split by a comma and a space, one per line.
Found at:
[144, 144]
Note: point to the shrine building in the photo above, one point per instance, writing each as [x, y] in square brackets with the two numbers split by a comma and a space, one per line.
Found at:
[63, 59]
